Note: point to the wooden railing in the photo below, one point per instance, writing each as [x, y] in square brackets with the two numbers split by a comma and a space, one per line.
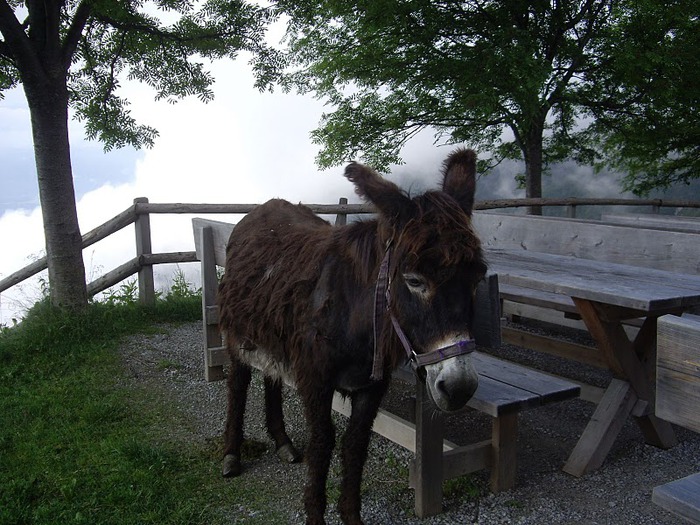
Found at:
[139, 215]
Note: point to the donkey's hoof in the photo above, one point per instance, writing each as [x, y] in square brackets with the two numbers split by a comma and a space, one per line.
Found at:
[288, 453]
[232, 466]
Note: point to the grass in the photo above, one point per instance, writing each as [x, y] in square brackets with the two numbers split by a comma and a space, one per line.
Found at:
[77, 446]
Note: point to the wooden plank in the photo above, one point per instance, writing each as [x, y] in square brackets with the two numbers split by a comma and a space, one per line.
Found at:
[654, 221]
[673, 251]
[680, 497]
[495, 396]
[142, 227]
[513, 310]
[678, 371]
[554, 346]
[217, 356]
[428, 462]
[615, 284]
[487, 314]
[390, 426]
[504, 467]
[213, 367]
[521, 294]
[544, 386]
[467, 459]
[602, 429]
[220, 231]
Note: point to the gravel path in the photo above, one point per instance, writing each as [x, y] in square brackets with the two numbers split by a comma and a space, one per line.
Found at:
[617, 493]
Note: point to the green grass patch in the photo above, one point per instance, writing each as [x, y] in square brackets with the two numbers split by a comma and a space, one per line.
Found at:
[78, 446]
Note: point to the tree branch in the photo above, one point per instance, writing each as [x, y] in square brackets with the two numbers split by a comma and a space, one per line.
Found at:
[75, 31]
[17, 46]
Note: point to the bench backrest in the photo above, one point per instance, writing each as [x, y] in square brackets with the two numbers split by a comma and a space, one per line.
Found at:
[655, 221]
[650, 248]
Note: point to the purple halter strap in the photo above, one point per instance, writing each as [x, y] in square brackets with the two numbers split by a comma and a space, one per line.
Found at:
[382, 303]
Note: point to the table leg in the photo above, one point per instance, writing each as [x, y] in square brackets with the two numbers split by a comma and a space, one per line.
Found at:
[625, 359]
[602, 429]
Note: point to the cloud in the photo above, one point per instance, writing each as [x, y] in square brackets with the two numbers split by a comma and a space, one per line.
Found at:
[245, 147]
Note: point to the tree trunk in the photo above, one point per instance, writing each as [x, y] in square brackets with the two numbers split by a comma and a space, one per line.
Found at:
[533, 166]
[48, 106]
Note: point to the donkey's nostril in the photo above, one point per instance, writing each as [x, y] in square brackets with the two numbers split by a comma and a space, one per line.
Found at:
[441, 386]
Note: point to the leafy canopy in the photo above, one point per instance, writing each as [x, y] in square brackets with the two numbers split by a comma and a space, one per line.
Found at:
[472, 70]
[518, 79]
[164, 44]
[652, 131]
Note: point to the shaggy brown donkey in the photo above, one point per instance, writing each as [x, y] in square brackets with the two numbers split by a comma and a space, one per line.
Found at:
[333, 308]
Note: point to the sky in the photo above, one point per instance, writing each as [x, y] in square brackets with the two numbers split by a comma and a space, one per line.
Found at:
[244, 147]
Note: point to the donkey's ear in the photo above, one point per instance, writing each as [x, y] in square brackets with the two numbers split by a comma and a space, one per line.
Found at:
[459, 177]
[384, 194]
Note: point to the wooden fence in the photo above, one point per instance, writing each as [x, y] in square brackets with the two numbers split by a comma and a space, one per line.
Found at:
[140, 211]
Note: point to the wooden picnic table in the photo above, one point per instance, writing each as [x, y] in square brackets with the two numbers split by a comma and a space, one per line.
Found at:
[605, 295]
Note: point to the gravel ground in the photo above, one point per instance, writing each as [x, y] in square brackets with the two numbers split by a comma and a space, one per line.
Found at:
[617, 493]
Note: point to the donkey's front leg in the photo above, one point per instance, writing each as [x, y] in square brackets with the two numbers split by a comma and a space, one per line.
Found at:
[365, 404]
[238, 380]
[318, 403]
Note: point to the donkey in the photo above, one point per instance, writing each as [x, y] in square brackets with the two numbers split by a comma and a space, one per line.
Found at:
[338, 308]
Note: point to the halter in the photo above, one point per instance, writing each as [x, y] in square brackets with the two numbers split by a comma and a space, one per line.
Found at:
[382, 303]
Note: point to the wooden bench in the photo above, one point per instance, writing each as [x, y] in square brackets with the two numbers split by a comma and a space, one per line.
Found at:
[673, 250]
[677, 401]
[504, 390]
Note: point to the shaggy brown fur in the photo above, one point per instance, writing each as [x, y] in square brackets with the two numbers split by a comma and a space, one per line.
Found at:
[297, 299]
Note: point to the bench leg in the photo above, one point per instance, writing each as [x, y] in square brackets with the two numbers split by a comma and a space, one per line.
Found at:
[504, 447]
[427, 471]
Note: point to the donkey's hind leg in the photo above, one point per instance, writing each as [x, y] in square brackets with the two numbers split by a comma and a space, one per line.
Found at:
[238, 380]
[275, 421]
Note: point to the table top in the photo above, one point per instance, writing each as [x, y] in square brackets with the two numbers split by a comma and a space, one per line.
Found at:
[614, 284]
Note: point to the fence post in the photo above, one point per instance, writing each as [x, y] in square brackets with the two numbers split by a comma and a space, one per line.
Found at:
[147, 293]
[341, 219]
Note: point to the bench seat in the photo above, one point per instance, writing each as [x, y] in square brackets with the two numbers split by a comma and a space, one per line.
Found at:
[505, 388]
[680, 497]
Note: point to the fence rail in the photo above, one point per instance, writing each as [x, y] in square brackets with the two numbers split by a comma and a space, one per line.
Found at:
[139, 215]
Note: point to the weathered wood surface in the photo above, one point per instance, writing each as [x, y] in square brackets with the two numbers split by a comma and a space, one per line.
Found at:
[535, 297]
[144, 246]
[600, 432]
[506, 387]
[655, 222]
[220, 232]
[678, 370]
[680, 497]
[648, 248]
[643, 290]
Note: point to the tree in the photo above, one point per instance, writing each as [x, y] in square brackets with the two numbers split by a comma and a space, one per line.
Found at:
[513, 78]
[73, 53]
[650, 130]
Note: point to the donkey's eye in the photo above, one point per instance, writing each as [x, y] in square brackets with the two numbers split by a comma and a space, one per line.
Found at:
[413, 280]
